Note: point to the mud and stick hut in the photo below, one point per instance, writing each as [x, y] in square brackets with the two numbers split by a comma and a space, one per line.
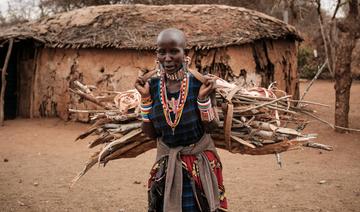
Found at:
[107, 46]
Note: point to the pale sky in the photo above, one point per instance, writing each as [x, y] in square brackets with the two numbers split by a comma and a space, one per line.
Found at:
[3, 5]
[328, 5]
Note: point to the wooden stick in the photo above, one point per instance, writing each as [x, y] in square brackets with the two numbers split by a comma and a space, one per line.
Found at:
[319, 119]
[242, 141]
[120, 151]
[250, 98]
[108, 149]
[264, 104]
[313, 80]
[328, 123]
[278, 107]
[228, 123]
[319, 146]
[93, 128]
[3, 81]
[148, 75]
[148, 145]
[265, 150]
[231, 94]
[91, 111]
[324, 38]
[346, 128]
[82, 87]
[90, 98]
[263, 125]
[309, 102]
[106, 98]
[124, 117]
[271, 106]
[197, 75]
[90, 163]
[126, 127]
[3, 43]
[112, 92]
[103, 139]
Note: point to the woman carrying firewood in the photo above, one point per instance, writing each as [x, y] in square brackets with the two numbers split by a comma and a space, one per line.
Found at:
[175, 108]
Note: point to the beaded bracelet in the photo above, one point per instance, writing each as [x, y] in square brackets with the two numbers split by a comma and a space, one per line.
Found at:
[145, 107]
[203, 100]
[206, 111]
[146, 100]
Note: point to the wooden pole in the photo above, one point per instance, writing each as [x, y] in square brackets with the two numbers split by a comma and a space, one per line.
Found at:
[313, 80]
[3, 81]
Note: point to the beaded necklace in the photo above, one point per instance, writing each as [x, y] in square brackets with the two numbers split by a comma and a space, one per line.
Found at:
[177, 76]
[175, 107]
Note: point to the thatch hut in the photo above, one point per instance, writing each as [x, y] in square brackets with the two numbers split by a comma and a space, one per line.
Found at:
[106, 46]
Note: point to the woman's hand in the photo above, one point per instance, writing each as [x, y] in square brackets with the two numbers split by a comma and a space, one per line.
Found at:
[143, 87]
[207, 87]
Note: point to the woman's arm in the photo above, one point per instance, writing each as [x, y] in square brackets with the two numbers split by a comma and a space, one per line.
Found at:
[206, 103]
[210, 121]
[146, 105]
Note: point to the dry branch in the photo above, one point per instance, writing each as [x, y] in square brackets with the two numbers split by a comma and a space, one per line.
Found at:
[251, 121]
[313, 80]
[89, 98]
[319, 146]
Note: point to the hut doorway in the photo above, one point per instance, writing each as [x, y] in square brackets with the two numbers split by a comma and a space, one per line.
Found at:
[10, 97]
[19, 79]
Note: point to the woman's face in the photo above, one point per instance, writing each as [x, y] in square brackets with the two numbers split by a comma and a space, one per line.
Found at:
[170, 54]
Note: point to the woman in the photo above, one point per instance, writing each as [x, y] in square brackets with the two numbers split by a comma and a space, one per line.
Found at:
[187, 175]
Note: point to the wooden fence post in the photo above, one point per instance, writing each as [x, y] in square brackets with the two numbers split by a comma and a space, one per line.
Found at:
[3, 81]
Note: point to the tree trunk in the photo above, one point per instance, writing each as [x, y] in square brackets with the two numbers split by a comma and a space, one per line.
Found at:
[343, 81]
[348, 32]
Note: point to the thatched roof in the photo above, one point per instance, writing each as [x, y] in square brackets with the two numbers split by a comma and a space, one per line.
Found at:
[136, 26]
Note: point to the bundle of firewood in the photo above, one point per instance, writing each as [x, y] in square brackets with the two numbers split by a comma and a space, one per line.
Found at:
[250, 120]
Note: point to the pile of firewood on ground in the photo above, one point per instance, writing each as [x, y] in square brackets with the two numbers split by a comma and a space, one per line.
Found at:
[251, 120]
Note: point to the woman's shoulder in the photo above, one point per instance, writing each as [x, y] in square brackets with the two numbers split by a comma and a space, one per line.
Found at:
[195, 82]
[153, 81]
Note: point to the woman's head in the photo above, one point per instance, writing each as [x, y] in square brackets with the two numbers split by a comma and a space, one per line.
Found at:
[170, 49]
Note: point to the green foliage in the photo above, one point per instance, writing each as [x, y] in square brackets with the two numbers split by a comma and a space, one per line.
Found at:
[306, 64]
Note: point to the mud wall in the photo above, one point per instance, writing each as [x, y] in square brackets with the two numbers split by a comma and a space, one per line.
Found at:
[258, 63]
[106, 69]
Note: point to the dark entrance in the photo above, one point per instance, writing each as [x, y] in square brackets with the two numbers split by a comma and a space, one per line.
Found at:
[19, 79]
[10, 103]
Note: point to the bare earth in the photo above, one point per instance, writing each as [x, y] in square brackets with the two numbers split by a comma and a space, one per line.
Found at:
[42, 160]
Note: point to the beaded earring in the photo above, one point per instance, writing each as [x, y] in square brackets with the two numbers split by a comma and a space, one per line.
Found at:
[186, 65]
[158, 68]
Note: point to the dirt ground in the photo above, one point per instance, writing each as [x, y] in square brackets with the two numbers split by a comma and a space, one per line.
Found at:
[39, 159]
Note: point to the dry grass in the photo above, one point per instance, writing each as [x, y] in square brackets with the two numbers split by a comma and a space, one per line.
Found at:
[136, 26]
